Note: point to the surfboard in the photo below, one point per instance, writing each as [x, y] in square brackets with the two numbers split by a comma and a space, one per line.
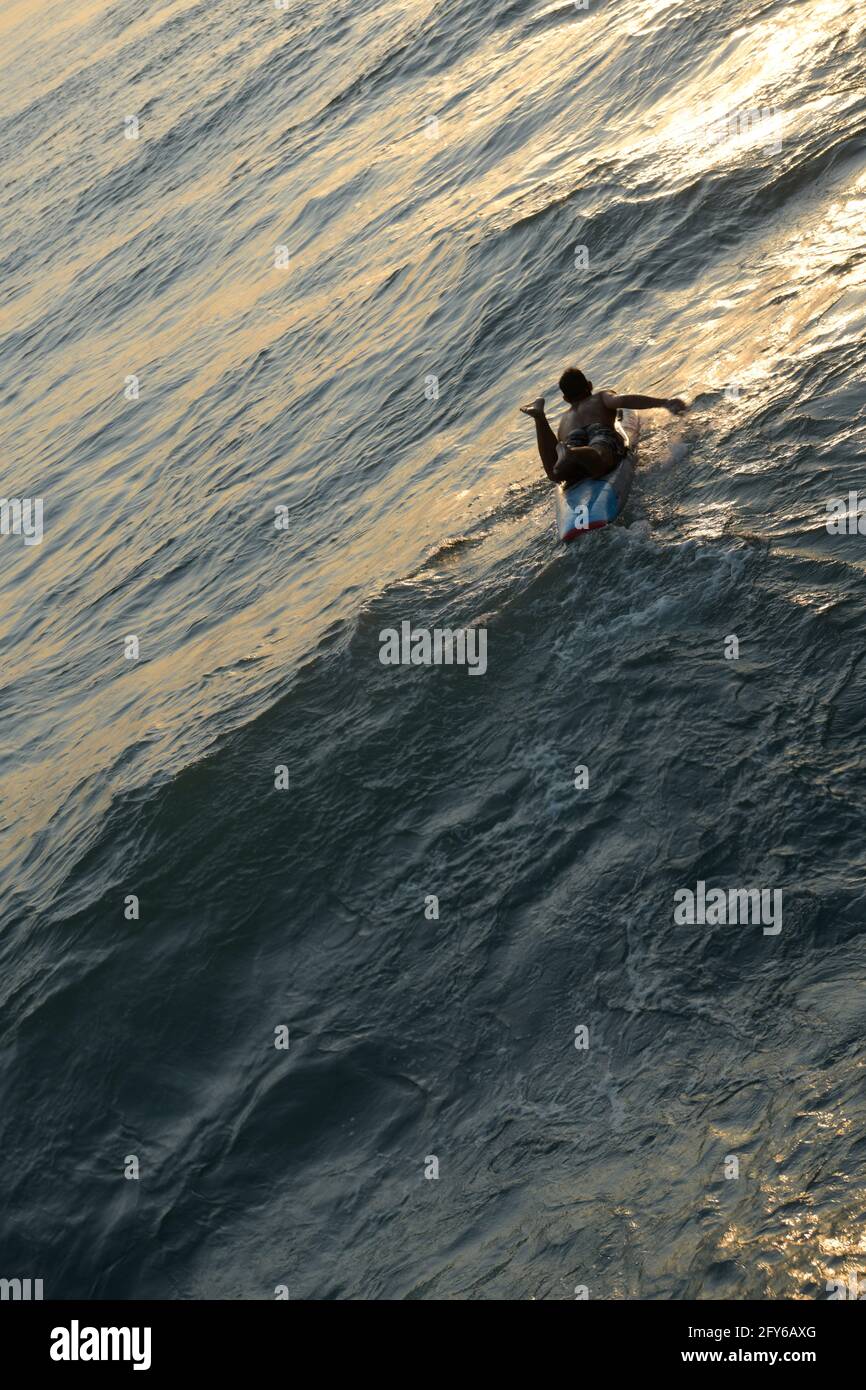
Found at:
[595, 502]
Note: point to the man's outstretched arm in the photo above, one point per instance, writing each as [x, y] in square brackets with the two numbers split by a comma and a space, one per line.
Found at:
[613, 402]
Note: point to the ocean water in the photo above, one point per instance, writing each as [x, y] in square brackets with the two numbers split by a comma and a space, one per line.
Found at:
[168, 380]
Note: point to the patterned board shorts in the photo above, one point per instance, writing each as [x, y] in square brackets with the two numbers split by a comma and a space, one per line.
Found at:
[593, 435]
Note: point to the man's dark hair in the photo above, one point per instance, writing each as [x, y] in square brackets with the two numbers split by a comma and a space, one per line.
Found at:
[574, 385]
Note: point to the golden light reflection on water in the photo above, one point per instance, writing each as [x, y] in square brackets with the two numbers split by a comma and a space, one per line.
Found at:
[426, 214]
[754, 75]
[808, 289]
[797, 1259]
[804, 1235]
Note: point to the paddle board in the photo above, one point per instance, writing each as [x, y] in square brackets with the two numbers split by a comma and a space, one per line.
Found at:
[595, 502]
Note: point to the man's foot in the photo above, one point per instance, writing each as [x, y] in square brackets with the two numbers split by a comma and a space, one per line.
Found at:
[536, 409]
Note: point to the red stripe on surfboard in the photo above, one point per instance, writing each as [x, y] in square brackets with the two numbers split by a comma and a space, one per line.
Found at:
[593, 526]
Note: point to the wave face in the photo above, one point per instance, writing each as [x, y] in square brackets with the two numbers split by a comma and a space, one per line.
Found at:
[166, 384]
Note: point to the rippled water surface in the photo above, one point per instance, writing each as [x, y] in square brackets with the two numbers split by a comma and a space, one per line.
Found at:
[429, 167]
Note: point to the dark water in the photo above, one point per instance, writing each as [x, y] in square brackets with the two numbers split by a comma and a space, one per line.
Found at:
[430, 168]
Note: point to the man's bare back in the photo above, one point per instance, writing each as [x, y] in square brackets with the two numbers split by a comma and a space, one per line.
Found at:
[593, 410]
[587, 444]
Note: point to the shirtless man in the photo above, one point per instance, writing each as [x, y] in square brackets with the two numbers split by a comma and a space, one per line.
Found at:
[587, 445]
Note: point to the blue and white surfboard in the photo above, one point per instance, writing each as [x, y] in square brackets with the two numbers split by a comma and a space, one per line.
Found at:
[595, 502]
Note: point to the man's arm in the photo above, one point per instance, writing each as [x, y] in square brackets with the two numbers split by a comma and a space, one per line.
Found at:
[614, 402]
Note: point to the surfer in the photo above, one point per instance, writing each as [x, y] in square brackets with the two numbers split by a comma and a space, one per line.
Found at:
[587, 445]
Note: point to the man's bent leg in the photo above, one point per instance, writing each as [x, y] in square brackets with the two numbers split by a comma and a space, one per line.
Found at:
[573, 465]
[544, 436]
